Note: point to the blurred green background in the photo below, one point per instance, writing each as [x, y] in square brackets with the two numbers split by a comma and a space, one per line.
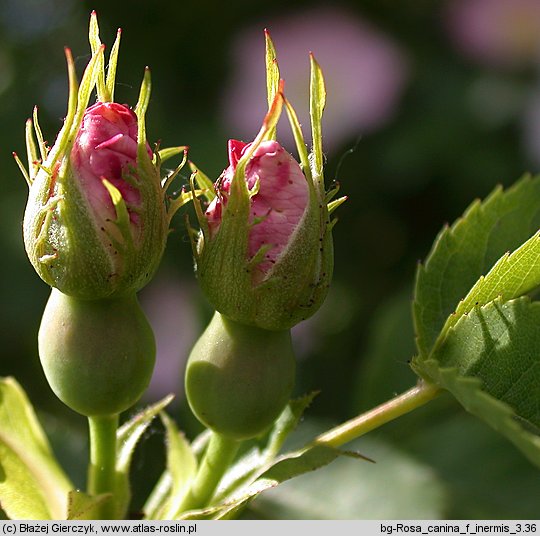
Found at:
[430, 105]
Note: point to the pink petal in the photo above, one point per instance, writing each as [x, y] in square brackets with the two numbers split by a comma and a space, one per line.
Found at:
[279, 204]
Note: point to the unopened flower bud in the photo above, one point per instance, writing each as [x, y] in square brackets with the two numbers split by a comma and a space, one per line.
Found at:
[267, 256]
[264, 255]
[106, 148]
[96, 223]
[95, 228]
[277, 207]
[264, 259]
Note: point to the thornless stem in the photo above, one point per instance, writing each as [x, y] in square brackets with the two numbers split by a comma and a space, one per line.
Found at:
[413, 398]
[218, 456]
[102, 469]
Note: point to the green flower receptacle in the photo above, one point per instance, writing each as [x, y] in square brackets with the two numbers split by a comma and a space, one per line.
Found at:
[239, 378]
[98, 355]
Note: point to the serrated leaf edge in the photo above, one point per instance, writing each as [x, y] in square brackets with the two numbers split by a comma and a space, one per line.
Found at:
[449, 233]
[503, 419]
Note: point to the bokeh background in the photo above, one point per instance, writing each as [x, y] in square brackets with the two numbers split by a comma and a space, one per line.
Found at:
[430, 105]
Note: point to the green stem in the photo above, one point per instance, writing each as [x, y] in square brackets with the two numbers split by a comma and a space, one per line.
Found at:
[102, 469]
[396, 407]
[218, 456]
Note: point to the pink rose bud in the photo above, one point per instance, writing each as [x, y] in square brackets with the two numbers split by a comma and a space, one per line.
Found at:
[96, 220]
[277, 207]
[264, 254]
[106, 147]
[266, 259]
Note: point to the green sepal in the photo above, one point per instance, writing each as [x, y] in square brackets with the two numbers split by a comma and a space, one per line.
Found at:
[317, 102]
[272, 76]
[95, 45]
[43, 149]
[31, 149]
[125, 246]
[111, 69]
[23, 170]
[336, 203]
[300, 143]
[169, 152]
[204, 182]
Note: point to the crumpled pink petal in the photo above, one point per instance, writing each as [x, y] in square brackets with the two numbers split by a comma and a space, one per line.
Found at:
[106, 147]
[279, 204]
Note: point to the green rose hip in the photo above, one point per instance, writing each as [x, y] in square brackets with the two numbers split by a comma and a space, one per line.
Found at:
[97, 355]
[239, 377]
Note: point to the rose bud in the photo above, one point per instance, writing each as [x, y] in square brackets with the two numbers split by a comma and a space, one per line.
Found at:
[96, 220]
[276, 208]
[264, 255]
[95, 228]
[264, 259]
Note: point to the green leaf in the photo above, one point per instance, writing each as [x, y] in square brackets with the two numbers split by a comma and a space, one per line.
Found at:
[512, 276]
[490, 361]
[20, 492]
[284, 468]
[287, 422]
[468, 250]
[181, 468]
[32, 484]
[346, 489]
[158, 497]
[128, 436]
[83, 506]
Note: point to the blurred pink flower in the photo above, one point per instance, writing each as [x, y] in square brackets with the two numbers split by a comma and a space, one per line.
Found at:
[499, 33]
[365, 74]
